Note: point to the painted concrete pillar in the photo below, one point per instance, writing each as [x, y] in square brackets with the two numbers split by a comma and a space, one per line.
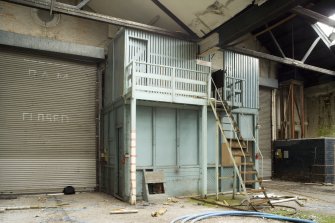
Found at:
[203, 159]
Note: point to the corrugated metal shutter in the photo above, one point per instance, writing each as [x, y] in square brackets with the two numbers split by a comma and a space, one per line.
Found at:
[47, 123]
[265, 129]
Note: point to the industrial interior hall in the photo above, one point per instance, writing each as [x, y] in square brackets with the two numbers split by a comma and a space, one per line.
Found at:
[167, 110]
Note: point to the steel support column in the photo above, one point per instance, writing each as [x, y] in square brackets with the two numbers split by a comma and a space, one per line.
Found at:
[132, 199]
[203, 158]
[217, 155]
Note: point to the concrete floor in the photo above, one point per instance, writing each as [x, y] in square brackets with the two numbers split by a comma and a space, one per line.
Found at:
[95, 207]
[320, 198]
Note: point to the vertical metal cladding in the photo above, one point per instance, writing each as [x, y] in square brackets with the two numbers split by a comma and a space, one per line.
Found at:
[247, 68]
[133, 45]
[162, 50]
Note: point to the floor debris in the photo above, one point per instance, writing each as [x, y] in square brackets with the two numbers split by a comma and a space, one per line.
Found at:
[159, 212]
[170, 201]
[124, 211]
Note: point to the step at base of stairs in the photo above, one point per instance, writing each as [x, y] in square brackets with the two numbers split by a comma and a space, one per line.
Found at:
[252, 181]
[249, 172]
[256, 190]
[241, 154]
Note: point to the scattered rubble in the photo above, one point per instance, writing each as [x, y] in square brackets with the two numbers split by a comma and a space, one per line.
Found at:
[159, 212]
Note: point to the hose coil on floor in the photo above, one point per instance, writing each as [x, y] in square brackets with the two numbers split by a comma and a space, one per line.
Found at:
[192, 218]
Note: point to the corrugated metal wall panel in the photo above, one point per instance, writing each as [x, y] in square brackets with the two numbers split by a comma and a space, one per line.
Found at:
[141, 46]
[162, 50]
[47, 123]
[265, 129]
[247, 68]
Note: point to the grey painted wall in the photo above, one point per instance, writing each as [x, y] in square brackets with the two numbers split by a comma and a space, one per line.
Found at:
[168, 139]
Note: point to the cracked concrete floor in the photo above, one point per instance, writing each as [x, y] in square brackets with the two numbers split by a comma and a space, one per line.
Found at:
[94, 207]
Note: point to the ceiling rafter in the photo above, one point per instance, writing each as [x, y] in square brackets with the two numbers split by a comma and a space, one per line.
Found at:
[175, 18]
[307, 13]
[74, 11]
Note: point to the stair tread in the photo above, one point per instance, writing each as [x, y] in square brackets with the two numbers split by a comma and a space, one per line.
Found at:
[248, 164]
[227, 177]
[255, 190]
[249, 172]
[252, 181]
[241, 154]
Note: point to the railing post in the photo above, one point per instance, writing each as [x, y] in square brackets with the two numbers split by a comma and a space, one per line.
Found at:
[233, 98]
[242, 93]
[217, 152]
[133, 80]
[173, 80]
[209, 84]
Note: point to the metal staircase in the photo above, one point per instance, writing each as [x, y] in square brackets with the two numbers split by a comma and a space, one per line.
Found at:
[246, 177]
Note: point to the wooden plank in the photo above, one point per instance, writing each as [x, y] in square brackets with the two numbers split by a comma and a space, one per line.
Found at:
[225, 157]
[123, 211]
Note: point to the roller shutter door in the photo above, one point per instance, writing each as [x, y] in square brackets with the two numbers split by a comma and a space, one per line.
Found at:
[47, 123]
[265, 129]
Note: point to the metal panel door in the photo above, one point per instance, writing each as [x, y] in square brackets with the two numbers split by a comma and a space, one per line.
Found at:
[47, 123]
[265, 128]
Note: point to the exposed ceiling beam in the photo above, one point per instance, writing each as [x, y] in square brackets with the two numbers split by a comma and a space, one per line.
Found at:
[82, 4]
[275, 25]
[311, 48]
[277, 44]
[253, 18]
[250, 19]
[287, 61]
[175, 18]
[74, 11]
[322, 35]
[299, 10]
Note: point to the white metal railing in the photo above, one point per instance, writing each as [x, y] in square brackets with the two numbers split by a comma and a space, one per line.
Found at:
[166, 83]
